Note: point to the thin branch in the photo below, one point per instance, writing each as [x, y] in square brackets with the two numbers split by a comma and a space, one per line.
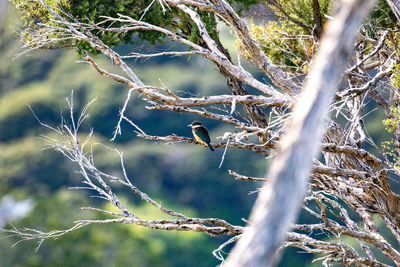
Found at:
[245, 177]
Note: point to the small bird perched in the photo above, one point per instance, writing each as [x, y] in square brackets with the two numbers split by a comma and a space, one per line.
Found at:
[200, 133]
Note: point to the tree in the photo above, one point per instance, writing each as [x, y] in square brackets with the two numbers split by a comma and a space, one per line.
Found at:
[349, 180]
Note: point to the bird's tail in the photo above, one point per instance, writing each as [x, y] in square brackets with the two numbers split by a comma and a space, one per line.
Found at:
[212, 149]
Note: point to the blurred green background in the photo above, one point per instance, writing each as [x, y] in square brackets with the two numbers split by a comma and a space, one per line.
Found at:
[34, 181]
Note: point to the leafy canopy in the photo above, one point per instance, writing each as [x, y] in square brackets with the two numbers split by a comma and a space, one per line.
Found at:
[95, 11]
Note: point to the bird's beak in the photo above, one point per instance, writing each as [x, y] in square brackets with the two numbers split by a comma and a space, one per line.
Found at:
[189, 125]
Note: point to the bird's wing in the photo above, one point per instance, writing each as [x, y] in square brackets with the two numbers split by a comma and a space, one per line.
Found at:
[203, 134]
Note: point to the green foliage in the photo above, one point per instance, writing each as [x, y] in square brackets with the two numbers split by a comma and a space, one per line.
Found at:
[381, 16]
[100, 245]
[290, 42]
[285, 42]
[242, 4]
[392, 125]
[396, 76]
[301, 10]
[389, 146]
[94, 11]
[280, 43]
[32, 13]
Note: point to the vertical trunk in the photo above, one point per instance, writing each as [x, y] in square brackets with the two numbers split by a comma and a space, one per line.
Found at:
[317, 19]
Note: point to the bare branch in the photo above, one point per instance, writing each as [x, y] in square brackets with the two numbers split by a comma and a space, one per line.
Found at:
[292, 166]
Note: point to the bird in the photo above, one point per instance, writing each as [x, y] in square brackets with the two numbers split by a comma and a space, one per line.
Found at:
[200, 133]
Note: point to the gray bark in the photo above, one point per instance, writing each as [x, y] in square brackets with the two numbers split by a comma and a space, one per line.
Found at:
[280, 199]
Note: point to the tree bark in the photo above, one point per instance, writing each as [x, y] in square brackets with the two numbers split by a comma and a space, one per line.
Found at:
[317, 19]
[280, 199]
